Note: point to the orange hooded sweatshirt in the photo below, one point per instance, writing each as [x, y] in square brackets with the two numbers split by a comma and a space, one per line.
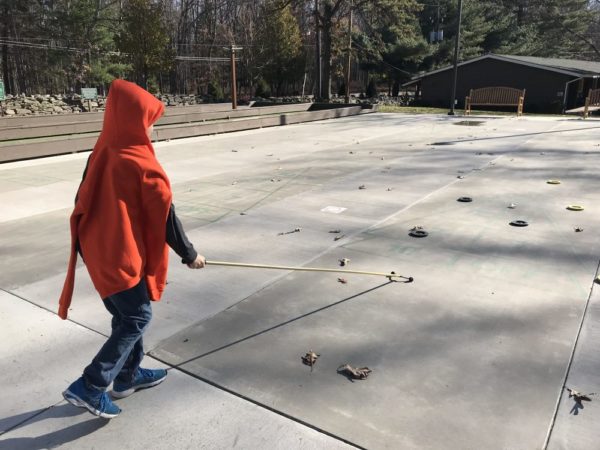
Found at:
[123, 202]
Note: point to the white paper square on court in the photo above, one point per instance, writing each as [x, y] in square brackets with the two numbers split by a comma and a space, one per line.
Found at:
[333, 209]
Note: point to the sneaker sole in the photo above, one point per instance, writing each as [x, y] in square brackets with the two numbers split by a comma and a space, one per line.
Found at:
[128, 392]
[76, 401]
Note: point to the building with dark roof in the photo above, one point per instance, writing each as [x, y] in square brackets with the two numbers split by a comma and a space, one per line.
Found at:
[552, 84]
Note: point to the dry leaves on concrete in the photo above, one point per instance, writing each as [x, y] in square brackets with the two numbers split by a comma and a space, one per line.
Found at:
[358, 373]
[310, 359]
[578, 397]
[295, 230]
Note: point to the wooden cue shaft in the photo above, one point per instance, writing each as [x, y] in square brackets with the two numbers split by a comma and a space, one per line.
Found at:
[305, 269]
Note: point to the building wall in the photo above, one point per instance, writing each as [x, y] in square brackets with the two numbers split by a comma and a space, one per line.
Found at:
[543, 86]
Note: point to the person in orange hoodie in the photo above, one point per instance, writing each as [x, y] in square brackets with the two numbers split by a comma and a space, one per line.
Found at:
[122, 225]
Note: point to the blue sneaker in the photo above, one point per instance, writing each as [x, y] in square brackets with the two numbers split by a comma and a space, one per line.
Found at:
[144, 378]
[96, 401]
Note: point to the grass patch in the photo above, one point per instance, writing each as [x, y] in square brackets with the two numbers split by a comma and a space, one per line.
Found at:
[412, 109]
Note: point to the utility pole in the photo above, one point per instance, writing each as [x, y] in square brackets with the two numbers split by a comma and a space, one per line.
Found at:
[437, 23]
[456, 47]
[233, 48]
[5, 69]
[436, 35]
[319, 69]
[349, 54]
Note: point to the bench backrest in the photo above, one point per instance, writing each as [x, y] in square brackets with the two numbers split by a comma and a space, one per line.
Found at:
[594, 96]
[497, 95]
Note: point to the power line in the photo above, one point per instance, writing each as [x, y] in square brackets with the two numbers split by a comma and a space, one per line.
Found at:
[81, 50]
[382, 61]
[10, 43]
[204, 58]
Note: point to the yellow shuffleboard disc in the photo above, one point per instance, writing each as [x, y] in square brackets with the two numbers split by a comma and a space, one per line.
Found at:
[575, 208]
[553, 181]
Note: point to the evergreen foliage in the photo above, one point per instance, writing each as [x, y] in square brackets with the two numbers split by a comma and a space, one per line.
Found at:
[144, 39]
[262, 89]
[182, 46]
[371, 91]
[215, 91]
[281, 56]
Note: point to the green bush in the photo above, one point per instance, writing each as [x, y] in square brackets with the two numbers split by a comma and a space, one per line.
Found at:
[153, 87]
[262, 89]
[215, 91]
[371, 89]
[396, 88]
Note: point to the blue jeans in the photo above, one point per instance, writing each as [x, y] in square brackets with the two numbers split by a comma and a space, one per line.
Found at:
[121, 355]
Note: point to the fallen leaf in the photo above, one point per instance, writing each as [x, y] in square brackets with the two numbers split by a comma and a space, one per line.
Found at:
[358, 373]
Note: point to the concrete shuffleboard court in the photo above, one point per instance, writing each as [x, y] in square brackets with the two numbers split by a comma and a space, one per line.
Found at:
[475, 353]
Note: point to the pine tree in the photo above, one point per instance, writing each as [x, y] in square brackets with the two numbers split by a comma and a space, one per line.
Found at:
[551, 28]
[394, 52]
[535, 29]
[144, 39]
[378, 15]
[281, 54]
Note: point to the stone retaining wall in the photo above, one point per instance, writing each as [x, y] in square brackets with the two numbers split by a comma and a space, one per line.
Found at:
[38, 105]
[42, 105]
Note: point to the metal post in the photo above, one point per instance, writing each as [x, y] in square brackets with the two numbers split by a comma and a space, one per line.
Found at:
[349, 55]
[566, 92]
[437, 23]
[319, 69]
[233, 80]
[304, 84]
[456, 47]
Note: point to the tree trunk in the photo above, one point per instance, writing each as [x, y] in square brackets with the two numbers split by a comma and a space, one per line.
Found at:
[5, 69]
[145, 77]
[326, 52]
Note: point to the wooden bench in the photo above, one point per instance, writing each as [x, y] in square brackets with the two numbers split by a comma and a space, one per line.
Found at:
[592, 102]
[495, 96]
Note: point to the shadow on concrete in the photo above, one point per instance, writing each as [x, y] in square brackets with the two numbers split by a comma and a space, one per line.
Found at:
[508, 136]
[274, 327]
[577, 405]
[55, 438]
[53, 412]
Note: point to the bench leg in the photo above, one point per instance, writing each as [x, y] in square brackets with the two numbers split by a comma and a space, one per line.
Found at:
[520, 107]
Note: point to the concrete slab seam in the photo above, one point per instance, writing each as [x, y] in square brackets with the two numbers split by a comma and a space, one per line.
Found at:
[358, 232]
[52, 312]
[534, 135]
[348, 237]
[24, 421]
[287, 182]
[480, 169]
[262, 405]
[571, 357]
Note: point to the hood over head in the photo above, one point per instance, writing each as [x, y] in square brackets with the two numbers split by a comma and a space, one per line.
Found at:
[130, 110]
